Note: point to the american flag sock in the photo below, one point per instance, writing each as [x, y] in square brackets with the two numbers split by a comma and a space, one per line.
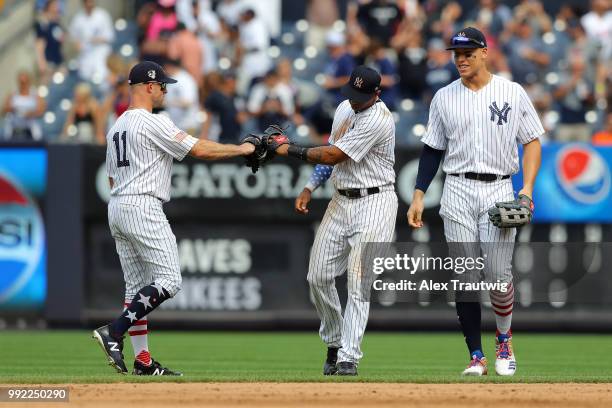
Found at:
[502, 304]
[145, 301]
[139, 338]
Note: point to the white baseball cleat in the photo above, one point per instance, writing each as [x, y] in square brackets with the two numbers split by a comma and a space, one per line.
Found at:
[477, 366]
[505, 361]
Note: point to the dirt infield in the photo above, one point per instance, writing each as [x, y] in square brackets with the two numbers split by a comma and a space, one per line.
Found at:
[337, 395]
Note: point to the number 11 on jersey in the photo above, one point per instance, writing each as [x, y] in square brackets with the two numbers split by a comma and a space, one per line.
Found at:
[125, 162]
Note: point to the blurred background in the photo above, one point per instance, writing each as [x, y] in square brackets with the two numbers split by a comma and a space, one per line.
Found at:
[242, 64]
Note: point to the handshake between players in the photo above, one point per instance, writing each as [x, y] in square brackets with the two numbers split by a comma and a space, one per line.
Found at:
[266, 146]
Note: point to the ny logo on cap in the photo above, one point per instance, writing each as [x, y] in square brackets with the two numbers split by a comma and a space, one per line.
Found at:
[151, 73]
[358, 82]
[461, 34]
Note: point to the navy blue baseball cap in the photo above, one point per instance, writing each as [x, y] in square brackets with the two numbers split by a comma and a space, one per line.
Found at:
[364, 82]
[469, 37]
[149, 71]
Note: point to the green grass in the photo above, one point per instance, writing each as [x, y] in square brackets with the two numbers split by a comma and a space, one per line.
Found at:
[73, 357]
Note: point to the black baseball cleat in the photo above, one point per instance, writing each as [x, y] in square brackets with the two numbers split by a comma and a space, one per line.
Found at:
[346, 368]
[329, 368]
[112, 347]
[154, 369]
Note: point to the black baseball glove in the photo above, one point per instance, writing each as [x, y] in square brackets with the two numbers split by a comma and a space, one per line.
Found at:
[255, 159]
[273, 137]
[512, 214]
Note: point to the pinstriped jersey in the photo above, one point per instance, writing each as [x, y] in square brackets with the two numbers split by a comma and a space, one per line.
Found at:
[139, 151]
[480, 129]
[368, 138]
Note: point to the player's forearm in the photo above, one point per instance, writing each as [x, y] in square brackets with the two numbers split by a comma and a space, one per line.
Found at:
[329, 155]
[319, 176]
[429, 162]
[209, 150]
[532, 156]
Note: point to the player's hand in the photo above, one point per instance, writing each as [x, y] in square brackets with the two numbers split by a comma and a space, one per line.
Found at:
[247, 147]
[301, 202]
[415, 212]
[527, 191]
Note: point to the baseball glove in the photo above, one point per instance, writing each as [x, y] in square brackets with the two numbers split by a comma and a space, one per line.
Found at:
[273, 137]
[512, 214]
[255, 159]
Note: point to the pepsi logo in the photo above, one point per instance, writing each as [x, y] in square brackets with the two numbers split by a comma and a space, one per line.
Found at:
[583, 174]
[22, 238]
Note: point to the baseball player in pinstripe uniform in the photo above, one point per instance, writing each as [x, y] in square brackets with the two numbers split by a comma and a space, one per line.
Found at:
[363, 209]
[476, 124]
[140, 149]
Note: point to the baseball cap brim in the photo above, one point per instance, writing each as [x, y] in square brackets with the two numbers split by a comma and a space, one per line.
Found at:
[464, 46]
[354, 95]
[168, 80]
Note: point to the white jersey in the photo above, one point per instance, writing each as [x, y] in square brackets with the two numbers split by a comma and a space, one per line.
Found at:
[368, 138]
[139, 153]
[480, 129]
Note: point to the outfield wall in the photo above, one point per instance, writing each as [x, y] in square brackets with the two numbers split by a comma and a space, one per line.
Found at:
[244, 252]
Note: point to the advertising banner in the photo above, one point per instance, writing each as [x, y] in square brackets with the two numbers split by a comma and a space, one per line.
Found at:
[22, 230]
[573, 184]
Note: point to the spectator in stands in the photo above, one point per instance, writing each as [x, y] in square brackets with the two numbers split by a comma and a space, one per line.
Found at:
[225, 115]
[575, 97]
[379, 19]
[285, 75]
[49, 38]
[42, 4]
[357, 44]
[185, 47]
[412, 62]
[92, 31]
[604, 136]
[585, 46]
[84, 122]
[163, 21]
[442, 22]
[441, 69]
[157, 22]
[598, 25]
[182, 101]
[208, 29]
[533, 11]
[230, 11]
[117, 100]
[491, 14]
[117, 68]
[539, 94]
[377, 58]
[339, 67]
[321, 15]
[253, 50]
[185, 12]
[22, 110]
[228, 44]
[271, 101]
[526, 54]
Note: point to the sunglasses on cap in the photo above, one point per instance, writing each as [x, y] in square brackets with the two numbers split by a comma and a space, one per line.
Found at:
[162, 85]
[465, 40]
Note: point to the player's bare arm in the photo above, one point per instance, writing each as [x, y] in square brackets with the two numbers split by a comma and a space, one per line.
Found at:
[532, 157]
[330, 155]
[209, 150]
[302, 200]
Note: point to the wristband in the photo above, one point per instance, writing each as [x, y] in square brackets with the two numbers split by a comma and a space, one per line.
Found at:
[298, 152]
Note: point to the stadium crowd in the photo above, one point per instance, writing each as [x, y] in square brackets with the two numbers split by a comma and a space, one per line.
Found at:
[235, 75]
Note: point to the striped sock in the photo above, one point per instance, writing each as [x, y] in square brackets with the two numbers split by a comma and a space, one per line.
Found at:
[503, 303]
[139, 338]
